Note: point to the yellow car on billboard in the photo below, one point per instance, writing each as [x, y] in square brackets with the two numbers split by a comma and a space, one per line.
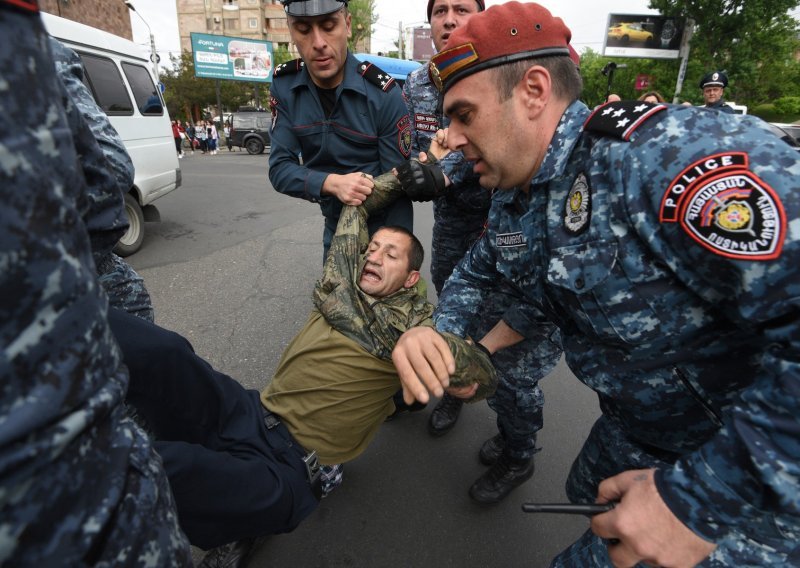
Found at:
[627, 32]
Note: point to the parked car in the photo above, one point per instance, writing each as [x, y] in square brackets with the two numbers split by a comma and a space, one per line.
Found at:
[121, 80]
[789, 133]
[626, 32]
[250, 130]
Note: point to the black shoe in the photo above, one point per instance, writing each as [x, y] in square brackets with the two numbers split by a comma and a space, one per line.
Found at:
[401, 407]
[231, 555]
[500, 479]
[444, 415]
[491, 449]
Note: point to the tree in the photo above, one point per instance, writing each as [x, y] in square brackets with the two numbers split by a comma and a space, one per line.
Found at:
[754, 41]
[363, 17]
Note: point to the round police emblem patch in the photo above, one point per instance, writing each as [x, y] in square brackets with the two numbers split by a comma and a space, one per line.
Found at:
[736, 215]
[578, 207]
[404, 136]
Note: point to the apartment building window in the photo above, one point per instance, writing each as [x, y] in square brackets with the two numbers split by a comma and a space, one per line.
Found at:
[252, 23]
[231, 23]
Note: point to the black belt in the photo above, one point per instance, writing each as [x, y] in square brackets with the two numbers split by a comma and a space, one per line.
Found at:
[310, 460]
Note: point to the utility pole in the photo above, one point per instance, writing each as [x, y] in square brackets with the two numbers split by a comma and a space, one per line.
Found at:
[401, 48]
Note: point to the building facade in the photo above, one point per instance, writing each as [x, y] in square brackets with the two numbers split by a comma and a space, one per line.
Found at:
[108, 15]
[251, 19]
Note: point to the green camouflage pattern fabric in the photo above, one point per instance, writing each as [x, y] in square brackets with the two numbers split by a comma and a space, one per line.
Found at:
[377, 323]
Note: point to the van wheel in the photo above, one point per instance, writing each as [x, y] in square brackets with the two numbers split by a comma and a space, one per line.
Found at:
[254, 146]
[131, 241]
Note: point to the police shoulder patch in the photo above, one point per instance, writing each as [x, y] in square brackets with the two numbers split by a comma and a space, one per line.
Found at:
[621, 118]
[376, 76]
[578, 207]
[726, 208]
[404, 136]
[288, 68]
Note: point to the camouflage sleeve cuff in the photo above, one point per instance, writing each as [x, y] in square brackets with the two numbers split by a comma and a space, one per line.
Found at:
[473, 365]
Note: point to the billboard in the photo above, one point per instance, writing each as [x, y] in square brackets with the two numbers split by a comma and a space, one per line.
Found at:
[223, 57]
[422, 44]
[652, 36]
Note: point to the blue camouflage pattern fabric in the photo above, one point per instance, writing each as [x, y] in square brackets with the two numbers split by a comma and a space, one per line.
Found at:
[80, 484]
[459, 219]
[460, 214]
[367, 132]
[105, 217]
[677, 312]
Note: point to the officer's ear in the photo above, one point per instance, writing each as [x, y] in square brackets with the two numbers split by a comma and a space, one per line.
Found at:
[535, 88]
[348, 19]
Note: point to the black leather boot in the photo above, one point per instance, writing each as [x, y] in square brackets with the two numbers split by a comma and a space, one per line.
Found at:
[444, 415]
[231, 555]
[491, 449]
[499, 480]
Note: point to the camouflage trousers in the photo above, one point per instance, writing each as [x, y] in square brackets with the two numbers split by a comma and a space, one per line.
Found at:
[519, 400]
[125, 288]
[450, 241]
[608, 451]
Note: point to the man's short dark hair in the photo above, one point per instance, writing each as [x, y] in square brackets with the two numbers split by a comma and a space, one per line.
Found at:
[567, 82]
[416, 253]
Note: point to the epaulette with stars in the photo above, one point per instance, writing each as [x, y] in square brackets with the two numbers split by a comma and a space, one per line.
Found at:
[376, 76]
[619, 119]
[289, 68]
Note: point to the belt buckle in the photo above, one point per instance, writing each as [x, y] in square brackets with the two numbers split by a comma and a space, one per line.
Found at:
[314, 473]
[311, 462]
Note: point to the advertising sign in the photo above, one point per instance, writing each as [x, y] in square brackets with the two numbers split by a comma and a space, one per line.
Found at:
[223, 57]
[652, 36]
[422, 44]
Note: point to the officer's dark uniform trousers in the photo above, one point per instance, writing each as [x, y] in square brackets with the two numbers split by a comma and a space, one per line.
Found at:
[231, 476]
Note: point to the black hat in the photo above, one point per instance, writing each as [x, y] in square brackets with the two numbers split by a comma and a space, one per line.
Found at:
[312, 7]
[714, 79]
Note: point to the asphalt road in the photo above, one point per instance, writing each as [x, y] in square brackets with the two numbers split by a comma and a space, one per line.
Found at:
[231, 266]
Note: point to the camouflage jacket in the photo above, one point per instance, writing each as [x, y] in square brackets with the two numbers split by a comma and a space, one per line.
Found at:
[469, 202]
[667, 251]
[377, 323]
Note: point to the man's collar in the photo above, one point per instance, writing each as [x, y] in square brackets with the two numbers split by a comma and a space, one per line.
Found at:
[352, 80]
[567, 132]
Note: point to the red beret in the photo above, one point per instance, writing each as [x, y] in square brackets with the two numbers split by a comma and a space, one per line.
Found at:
[503, 34]
[481, 7]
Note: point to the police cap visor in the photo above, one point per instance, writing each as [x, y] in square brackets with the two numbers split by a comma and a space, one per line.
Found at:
[302, 8]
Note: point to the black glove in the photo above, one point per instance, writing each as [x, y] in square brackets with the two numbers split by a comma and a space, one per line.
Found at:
[421, 182]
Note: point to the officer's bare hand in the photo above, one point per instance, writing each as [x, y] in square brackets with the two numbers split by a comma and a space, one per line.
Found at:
[350, 189]
[643, 526]
[438, 147]
[424, 363]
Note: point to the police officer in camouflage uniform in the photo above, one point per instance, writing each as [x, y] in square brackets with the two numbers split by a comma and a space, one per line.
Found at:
[662, 240]
[80, 483]
[335, 120]
[459, 218]
[105, 218]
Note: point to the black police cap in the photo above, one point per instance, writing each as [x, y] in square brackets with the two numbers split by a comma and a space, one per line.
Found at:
[714, 79]
[312, 7]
